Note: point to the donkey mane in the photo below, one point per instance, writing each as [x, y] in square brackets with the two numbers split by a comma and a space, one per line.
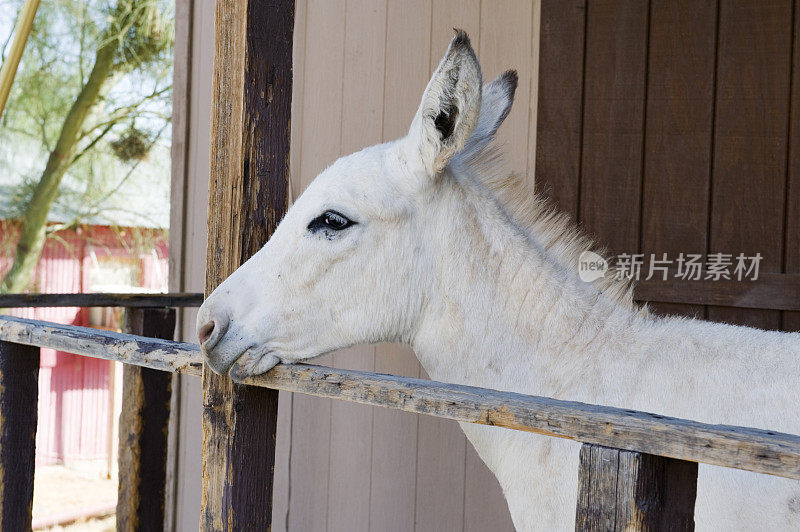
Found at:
[539, 218]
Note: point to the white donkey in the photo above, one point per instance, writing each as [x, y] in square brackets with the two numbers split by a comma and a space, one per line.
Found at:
[423, 241]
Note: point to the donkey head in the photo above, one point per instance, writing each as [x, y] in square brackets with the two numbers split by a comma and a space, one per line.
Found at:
[348, 263]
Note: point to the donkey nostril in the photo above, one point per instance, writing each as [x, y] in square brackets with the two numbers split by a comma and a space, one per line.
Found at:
[205, 332]
[211, 328]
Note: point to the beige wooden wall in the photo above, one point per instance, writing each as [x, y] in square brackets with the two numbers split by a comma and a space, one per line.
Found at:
[360, 69]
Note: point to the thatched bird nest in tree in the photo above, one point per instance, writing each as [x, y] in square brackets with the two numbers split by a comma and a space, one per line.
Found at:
[132, 146]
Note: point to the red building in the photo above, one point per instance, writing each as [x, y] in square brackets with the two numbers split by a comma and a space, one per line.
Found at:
[77, 394]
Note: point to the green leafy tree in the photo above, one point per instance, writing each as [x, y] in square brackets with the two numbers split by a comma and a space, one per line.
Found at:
[92, 97]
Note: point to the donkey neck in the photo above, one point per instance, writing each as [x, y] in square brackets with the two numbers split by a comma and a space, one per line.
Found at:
[502, 312]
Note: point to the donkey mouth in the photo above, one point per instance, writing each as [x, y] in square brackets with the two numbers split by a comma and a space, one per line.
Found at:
[252, 362]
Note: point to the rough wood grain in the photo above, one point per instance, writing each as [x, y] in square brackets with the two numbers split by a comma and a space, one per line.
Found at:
[101, 300]
[138, 350]
[19, 393]
[143, 430]
[152, 353]
[248, 195]
[751, 449]
[761, 451]
[629, 491]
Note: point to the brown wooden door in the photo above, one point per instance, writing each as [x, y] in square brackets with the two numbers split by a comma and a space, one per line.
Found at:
[671, 126]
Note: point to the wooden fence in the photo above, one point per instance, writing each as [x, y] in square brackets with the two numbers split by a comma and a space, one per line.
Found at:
[635, 465]
[144, 420]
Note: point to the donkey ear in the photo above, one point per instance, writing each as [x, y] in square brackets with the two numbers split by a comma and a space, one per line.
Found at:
[450, 107]
[498, 95]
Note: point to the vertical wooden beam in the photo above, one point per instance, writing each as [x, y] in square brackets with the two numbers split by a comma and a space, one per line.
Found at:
[630, 491]
[248, 195]
[143, 429]
[19, 392]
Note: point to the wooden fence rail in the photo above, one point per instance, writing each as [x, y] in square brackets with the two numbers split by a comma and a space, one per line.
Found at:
[144, 419]
[178, 299]
[757, 450]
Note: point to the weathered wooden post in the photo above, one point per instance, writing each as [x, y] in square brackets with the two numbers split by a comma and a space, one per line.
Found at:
[248, 195]
[143, 429]
[629, 491]
[19, 393]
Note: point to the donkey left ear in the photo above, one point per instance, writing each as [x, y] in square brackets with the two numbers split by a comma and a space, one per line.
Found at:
[450, 107]
[498, 95]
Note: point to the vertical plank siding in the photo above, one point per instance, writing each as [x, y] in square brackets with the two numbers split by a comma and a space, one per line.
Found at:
[505, 38]
[680, 117]
[791, 246]
[360, 125]
[687, 139]
[560, 116]
[613, 121]
[751, 139]
[683, 117]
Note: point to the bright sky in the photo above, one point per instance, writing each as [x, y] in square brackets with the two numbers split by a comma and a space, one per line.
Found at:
[7, 17]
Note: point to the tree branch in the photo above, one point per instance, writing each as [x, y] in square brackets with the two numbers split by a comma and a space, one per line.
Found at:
[8, 40]
[126, 112]
[43, 130]
[128, 17]
[82, 42]
[89, 146]
[23, 132]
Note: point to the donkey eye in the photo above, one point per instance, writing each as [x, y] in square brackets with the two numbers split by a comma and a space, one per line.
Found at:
[330, 220]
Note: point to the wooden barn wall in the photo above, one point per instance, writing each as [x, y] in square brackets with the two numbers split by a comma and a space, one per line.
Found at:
[360, 69]
[671, 126]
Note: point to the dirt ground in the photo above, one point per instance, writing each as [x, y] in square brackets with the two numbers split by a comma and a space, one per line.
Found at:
[59, 490]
